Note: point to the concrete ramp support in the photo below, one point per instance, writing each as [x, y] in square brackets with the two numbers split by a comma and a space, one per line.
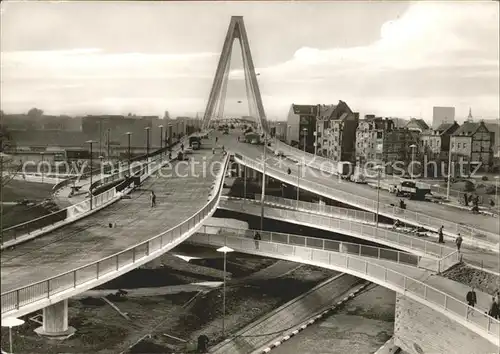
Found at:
[55, 321]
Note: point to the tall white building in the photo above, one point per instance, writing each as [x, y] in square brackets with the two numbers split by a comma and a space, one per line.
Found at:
[442, 115]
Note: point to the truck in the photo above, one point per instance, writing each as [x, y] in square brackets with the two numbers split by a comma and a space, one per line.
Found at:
[412, 190]
[345, 169]
[357, 176]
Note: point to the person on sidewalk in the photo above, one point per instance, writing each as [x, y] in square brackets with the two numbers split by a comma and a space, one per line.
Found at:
[182, 147]
[471, 299]
[289, 171]
[493, 312]
[466, 199]
[440, 233]
[257, 238]
[153, 199]
[458, 242]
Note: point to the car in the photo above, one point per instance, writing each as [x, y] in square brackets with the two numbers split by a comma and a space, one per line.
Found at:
[279, 153]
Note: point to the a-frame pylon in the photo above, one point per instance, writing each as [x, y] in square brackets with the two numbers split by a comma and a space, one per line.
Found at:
[236, 30]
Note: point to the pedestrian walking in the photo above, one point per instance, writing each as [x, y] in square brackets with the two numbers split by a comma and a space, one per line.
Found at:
[471, 299]
[466, 199]
[153, 199]
[182, 147]
[441, 236]
[492, 202]
[216, 139]
[289, 171]
[213, 151]
[257, 238]
[494, 310]
[458, 242]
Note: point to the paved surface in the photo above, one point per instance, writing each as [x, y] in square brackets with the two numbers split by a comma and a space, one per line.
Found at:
[90, 239]
[444, 212]
[360, 327]
[287, 316]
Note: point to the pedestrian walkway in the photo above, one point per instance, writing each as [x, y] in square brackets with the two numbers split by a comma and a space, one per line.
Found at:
[441, 294]
[426, 244]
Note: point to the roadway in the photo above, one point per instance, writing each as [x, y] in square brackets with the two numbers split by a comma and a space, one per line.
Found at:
[444, 212]
[90, 239]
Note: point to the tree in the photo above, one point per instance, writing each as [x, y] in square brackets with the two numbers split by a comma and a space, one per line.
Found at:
[35, 113]
[9, 168]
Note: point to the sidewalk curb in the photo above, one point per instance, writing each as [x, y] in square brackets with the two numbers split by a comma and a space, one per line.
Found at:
[316, 318]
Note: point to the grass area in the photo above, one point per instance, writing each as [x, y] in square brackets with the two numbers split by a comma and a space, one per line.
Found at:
[17, 214]
[17, 190]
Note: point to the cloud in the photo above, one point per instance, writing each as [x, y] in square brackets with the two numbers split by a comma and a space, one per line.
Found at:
[428, 35]
[91, 63]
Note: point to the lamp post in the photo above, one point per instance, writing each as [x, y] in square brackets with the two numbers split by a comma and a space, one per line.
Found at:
[102, 171]
[107, 143]
[263, 193]
[2, 155]
[161, 140]
[378, 168]
[298, 182]
[449, 173]
[244, 184]
[128, 151]
[42, 153]
[412, 146]
[90, 142]
[224, 250]
[147, 149]
[305, 137]
[11, 322]
[288, 135]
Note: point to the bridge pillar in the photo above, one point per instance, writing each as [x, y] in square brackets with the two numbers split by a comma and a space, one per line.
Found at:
[55, 322]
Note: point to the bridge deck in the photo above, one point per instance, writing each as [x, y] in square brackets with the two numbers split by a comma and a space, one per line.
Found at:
[444, 212]
[90, 239]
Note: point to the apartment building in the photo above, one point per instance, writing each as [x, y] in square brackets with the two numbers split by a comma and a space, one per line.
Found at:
[379, 140]
[301, 121]
[336, 132]
[473, 143]
[435, 143]
[417, 124]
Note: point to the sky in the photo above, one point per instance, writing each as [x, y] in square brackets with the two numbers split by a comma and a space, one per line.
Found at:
[396, 59]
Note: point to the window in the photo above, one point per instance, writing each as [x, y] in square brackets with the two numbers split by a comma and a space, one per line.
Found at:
[325, 125]
[465, 145]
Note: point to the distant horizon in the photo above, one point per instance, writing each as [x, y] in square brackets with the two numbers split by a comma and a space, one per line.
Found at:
[460, 120]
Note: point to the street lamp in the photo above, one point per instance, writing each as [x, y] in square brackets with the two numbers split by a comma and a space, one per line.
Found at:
[147, 142]
[161, 139]
[379, 169]
[42, 153]
[90, 142]
[298, 181]
[412, 146]
[128, 152]
[102, 171]
[107, 139]
[449, 173]
[11, 322]
[305, 137]
[2, 156]
[224, 250]
[263, 194]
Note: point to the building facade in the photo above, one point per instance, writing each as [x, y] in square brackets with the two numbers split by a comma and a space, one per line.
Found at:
[336, 132]
[435, 143]
[417, 124]
[473, 143]
[301, 121]
[379, 141]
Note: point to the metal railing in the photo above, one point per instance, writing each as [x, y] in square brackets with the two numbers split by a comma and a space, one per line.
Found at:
[467, 232]
[45, 289]
[350, 227]
[317, 208]
[322, 163]
[323, 244]
[474, 318]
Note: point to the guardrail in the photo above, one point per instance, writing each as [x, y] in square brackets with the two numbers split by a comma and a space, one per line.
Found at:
[80, 277]
[317, 208]
[323, 244]
[320, 162]
[473, 318]
[474, 235]
[355, 229]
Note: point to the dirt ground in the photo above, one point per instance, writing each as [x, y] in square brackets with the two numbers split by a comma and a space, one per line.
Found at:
[483, 281]
[102, 330]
